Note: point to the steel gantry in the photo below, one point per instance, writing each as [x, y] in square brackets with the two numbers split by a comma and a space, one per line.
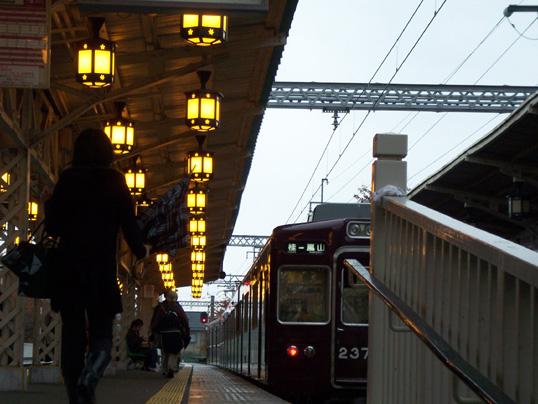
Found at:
[398, 97]
[247, 241]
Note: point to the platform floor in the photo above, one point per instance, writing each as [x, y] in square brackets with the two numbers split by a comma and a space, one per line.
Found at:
[194, 384]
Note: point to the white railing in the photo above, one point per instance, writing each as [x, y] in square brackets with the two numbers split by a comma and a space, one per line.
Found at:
[477, 291]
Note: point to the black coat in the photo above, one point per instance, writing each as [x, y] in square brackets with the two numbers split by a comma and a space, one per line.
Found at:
[88, 207]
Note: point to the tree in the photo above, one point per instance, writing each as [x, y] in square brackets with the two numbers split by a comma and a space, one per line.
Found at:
[364, 194]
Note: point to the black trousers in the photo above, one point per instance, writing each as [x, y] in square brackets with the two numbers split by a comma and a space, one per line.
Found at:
[83, 328]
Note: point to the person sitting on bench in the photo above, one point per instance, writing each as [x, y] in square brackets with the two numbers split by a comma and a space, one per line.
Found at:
[138, 346]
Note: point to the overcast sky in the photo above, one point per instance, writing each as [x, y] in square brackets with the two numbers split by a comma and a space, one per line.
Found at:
[344, 41]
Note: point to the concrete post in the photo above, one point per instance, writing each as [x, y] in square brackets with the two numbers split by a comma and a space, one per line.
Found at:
[387, 169]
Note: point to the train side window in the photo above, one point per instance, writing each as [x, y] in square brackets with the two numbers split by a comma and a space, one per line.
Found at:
[303, 294]
[354, 299]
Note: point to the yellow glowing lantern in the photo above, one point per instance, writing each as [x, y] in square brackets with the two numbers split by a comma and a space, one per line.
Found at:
[120, 131]
[197, 283]
[198, 267]
[165, 267]
[197, 225]
[200, 165]
[136, 180]
[33, 210]
[169, 284]
[95, 58]
[162, 258]
[203, 106]
[167, 276]
[198, 256]
[5, 181]
[198, 241]
[204, 29]
[196, 201]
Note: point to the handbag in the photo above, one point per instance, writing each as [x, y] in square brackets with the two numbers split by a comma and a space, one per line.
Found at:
[35, 264]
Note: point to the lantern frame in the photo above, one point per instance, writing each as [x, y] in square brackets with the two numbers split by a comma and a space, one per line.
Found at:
[197, 225]
[6, 178]
[198, 241]
[162, 258]
[204, 29]
[120, 131]
[196, 201]
[203, 106]
[519, 204]
[33, 211]
[198, 256]
[165, 267]
[202, 159]
[100, 50]
[136, 180]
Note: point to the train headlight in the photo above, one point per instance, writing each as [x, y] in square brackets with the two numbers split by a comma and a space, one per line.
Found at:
[358, 230]
[292, 351]
[309, 351]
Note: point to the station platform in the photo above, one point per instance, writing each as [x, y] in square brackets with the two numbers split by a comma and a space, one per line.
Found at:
[194, 384]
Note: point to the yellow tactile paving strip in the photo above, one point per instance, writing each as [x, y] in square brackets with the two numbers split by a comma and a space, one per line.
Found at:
[173, 391]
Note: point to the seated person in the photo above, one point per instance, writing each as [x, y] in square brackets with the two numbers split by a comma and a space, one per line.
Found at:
[136, 344]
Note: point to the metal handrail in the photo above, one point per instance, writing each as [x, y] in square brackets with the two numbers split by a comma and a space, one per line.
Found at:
[481, 385]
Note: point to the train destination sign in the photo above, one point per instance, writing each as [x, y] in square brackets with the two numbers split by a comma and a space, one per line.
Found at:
[144, 5]
[305, 247]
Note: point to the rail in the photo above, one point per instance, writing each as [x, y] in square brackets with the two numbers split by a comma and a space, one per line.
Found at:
[474, 291]
[448, 356]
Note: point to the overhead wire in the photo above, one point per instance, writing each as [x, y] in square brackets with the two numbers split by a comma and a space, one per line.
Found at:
[444, 82]
[435, 14]
[332, 134]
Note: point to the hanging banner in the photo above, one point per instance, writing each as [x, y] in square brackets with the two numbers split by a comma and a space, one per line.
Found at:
[148, 5]
[24, 43]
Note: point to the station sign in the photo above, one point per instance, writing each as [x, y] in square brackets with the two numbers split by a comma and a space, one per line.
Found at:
[146, 5]
[25, 43]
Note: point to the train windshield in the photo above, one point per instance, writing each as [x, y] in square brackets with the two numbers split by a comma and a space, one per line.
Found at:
[354, 299]
[303, 294]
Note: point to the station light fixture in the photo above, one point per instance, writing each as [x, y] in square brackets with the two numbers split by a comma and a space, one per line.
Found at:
[203, 106]
[162, 258]
[196, 201]
[143, 201]
[204, 29]
[197, 225]
[292, 351]
[200, 165]
[198, 256]
[95, 58]
[519, 204]
[198, 241]
[33, 210]
[5, 181]
[120, 131]
[163, 268]
[198, 267]
[136, 178]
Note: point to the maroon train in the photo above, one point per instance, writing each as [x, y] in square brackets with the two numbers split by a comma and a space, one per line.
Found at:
[301, 326]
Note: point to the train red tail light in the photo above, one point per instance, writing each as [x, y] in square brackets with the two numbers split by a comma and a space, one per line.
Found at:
[292, 351]
[203, 317]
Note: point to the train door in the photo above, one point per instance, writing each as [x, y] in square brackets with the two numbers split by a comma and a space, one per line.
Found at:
[350, 326]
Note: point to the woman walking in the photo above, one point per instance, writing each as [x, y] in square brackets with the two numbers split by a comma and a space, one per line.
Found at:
[89, 205]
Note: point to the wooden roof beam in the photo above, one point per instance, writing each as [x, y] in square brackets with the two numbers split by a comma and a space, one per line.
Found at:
[117, 94]
[465, 194]
[509, 167]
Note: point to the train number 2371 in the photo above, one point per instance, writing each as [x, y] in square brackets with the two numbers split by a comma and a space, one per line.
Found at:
[352, 353]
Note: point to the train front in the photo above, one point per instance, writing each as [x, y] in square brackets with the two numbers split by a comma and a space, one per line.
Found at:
[317, 331]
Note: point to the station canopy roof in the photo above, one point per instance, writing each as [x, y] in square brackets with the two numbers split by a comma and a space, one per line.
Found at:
[475, 186]
[154, 67]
